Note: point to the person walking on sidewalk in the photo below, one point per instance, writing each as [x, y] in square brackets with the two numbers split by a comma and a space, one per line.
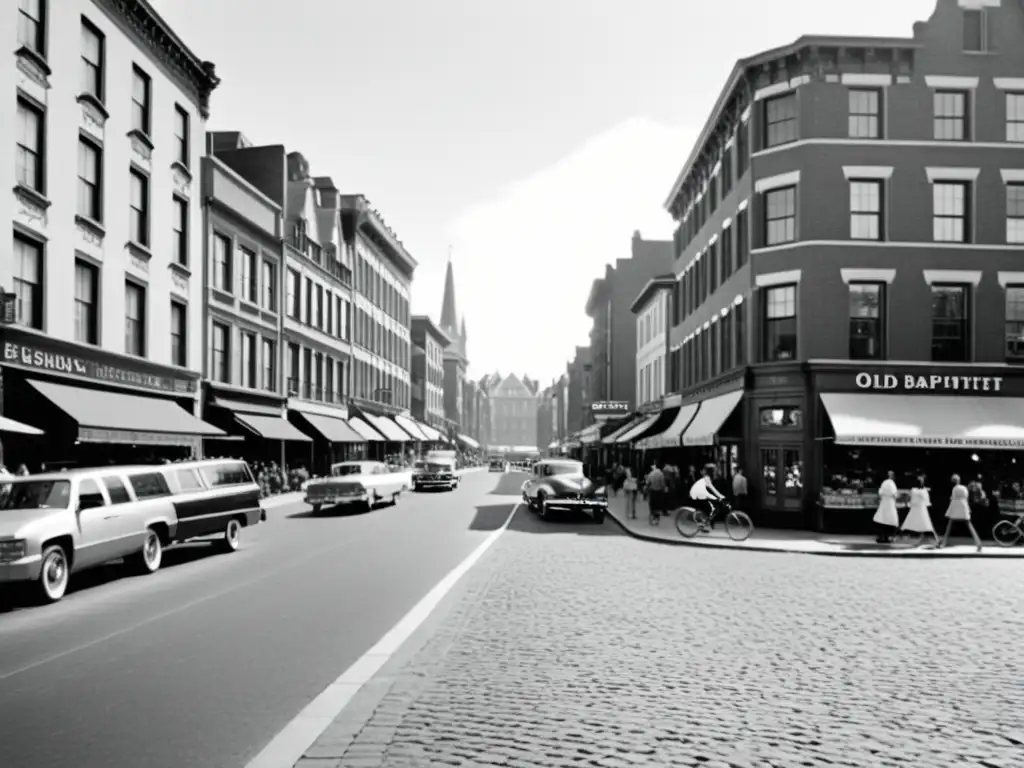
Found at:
[629, 489]
[918, 519]
[739, 490]
[655, 493]
[959, 511]
[887, 518]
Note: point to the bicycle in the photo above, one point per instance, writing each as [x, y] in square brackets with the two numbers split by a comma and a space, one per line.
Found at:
[691, 521]
[1009, 533]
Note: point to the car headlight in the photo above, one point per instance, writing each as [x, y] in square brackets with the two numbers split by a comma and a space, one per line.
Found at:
[12, 550]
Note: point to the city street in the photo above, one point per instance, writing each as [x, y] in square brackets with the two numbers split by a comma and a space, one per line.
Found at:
[202, 663]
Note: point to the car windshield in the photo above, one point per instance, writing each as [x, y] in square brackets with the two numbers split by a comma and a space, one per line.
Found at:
[36, 494]
[432, 466]
[347, 469]
[563, 469]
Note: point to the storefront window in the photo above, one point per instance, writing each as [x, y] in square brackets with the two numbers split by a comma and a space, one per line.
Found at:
[781, 418]
[780, 323]
[769, 470]
[950, 323]
[794, 473]
[866, 322]
[1015, 323]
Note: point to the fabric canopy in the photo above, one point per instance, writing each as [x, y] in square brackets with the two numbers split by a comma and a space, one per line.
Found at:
[637, 429]
[469, 441]
[412, 427]
[939, 421]
[432, 434]
[591, 434]
[333, 430]
[614, 436]
[711, 415]
[16, 427]
[389, 429]
[363, 428]
[672, 436]
[271, 427]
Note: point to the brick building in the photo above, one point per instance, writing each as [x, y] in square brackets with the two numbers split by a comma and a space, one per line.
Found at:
[428, 343]
[513, 413]
[850, 229]
[577, 409]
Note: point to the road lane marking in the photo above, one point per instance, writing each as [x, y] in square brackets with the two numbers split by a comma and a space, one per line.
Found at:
[291, 743]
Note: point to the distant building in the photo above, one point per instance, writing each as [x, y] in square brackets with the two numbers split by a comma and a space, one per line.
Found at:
[578, 397]
[514, 413]
[428, 343]
[652, 309]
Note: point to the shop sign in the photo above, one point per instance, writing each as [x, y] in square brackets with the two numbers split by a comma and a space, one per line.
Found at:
[921, 441]
[909, 382]
[35, 356]
[607, 409]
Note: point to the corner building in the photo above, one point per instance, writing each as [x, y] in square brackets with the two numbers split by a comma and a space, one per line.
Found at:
[848, 260]
[103, 277]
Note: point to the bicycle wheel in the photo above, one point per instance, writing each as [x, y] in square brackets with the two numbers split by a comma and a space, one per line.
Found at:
[738, 526]
[1006, 534]
[689, 521]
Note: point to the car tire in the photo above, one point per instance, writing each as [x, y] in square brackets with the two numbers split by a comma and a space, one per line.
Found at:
[53, 575]
[599, 517]
[232, 538]
[148, 559]
[315, 511]
[542, 506]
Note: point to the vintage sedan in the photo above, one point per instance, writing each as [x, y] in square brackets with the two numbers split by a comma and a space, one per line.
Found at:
[497, 464]
[360, 484]
[562, 485]
[435, 472]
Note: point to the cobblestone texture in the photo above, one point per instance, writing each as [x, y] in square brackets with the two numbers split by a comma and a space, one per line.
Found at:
[574, 645]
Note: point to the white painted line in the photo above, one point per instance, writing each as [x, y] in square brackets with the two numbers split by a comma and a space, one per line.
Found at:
[288, 746]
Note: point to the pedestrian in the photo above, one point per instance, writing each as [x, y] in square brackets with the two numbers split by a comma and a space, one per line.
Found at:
[655, 493]
[739, 490]
[959, 511]
[886, 517]
[629, 490]
[918, 518]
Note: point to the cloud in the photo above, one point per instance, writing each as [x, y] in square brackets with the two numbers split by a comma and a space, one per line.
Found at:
[524, 261]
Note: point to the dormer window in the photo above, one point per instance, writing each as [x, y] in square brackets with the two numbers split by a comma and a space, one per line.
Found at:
[974, 30]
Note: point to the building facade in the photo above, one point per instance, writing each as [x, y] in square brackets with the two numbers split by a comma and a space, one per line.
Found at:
[652, 310]
[578, 395]
[104, 283]
[853, 209]
[514, 413]
[427, 375]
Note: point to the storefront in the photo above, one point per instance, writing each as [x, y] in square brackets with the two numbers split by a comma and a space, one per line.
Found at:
[334, 440]
[95, 406]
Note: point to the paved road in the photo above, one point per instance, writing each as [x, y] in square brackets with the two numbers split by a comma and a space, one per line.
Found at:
[201, 664]
[571, 645]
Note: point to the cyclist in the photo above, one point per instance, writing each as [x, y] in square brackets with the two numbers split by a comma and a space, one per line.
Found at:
[705, 496]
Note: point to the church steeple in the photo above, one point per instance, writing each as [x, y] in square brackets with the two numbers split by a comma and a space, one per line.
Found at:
[462, 338]
[449, 317]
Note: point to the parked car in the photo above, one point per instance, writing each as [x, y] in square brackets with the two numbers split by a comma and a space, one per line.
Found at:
[562, 485]
[56, 524]
[363, 484]
[436, 472]
[497, 464]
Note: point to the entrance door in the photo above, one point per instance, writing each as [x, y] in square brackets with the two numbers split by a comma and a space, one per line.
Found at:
[782, 482]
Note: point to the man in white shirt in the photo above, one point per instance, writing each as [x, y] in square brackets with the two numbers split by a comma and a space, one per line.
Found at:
[704, 494]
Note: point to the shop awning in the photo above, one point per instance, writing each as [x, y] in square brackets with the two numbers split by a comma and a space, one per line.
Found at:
[432, 434]
[368, 433]
[391, 431]
[672, 436]
[613, 438]
[467, 440]
[937, 421]
[658, 426]
[711, 415]
[116, 417]
[412, 427]
[17, 428]
[271, 427]
[591, 434]
[333, 430]
[638, 428]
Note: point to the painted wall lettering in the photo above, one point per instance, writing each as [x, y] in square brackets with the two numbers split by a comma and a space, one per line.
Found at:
[888, 382]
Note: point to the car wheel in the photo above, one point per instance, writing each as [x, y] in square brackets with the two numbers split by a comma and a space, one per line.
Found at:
[542, 505]
[316, 510]
[599, 516]
[54, 574]
[148, 559]
[232, 536]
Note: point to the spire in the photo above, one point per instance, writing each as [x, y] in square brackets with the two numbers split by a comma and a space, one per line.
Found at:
[449, 317]
[462, 338]
[462, 328]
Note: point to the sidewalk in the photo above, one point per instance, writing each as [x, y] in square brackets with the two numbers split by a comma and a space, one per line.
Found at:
[803, 542]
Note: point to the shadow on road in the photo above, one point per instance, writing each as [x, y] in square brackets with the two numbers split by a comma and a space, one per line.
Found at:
[350, 510]
[510, 484]
[492, 516]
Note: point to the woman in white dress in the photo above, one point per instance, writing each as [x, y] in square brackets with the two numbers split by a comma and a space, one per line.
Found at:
[887, 517]
[918, 520]
[959, 511]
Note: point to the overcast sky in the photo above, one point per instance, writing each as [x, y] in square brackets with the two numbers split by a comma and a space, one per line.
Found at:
[531, 136]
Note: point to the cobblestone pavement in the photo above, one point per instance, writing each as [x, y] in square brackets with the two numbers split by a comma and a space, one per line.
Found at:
[574, 645]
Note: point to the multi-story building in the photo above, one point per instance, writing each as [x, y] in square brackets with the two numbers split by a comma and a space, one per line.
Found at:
[547, 421]
[613, 333]
[103, 291]
[427, 376]
[513, 414]
[652, 311]
[578, 397]
[848, 251]
[482, 433]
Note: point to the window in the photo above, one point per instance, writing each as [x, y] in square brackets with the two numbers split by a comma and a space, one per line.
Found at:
[780, 323]
[726, 171]
[742, 149]
[269, 366]
[31, 25]
[950, 323]
[269, 287]
[293, 368]
[307, 307]
[232, 473]
[139, 213]
[86, 303]
[294, 297]
[974, 30]
[1015, 213]
[865, 113]
[726, 248]
[28, 282]
[188, 480]
[90, 199]
[116, 490]
[181, 137]
[141, 87]
[949, 212]
[179, 334]
[249, 360]
[222, 263]
[742, 244]
[29, 149]
[219, 363]
[134, 319]
[950, 115]
[780, 120]
[319, 321]
[92, 60]
[180, 233]
[866, 210]
[151, 485]
[250, 278]
[1015, 117]
[1015, 323]
[780, 216]
[867, 328]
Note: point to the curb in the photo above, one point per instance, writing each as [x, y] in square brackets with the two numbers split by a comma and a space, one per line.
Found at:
[909, 554]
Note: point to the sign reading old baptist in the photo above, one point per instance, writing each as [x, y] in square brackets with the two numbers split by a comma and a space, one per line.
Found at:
[939, 383]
